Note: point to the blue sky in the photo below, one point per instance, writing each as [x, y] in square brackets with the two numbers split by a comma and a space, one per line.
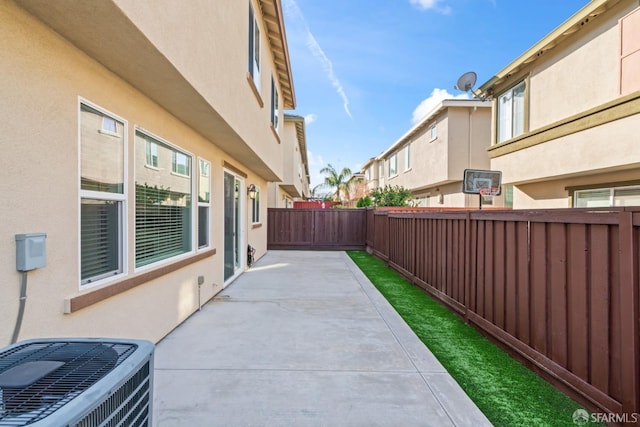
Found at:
[365, 70]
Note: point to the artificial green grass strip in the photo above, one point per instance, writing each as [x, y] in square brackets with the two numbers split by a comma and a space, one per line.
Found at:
[507, 393]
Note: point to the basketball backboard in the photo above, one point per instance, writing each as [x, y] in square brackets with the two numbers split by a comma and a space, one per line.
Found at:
[475, 180]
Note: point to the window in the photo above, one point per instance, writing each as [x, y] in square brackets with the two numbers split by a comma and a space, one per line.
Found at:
[204, 203]
[255, 207]
[109, 125]
[432, 133]
[393, 165]
[152, 154]
[607, 197]
[102, 195]
[275, 108]
[181, 163]
[407, 157]
[163, 204]
[254, 48]
[511, 112]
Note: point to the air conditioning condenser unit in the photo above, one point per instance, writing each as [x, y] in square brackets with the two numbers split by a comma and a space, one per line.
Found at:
[76, 382]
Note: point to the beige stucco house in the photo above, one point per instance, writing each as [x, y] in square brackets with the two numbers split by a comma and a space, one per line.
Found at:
[567, 112]
[430, 158]
[131, 135]
[295, 176]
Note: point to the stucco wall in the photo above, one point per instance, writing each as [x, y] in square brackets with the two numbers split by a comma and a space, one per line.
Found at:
[44, 76]
[217, 68]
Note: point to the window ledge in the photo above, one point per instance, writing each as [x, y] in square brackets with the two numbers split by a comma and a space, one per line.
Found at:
[255, 90]
[85, 300]
[256, 225]
[109, 133]
[180, 175]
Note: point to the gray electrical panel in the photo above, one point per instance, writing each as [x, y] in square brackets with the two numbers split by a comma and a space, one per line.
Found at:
[31, 251]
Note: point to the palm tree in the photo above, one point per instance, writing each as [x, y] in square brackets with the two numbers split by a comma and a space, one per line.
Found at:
[337, 181]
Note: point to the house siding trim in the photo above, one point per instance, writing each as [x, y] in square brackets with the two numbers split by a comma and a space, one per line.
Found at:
[620, 108]
[85, 300]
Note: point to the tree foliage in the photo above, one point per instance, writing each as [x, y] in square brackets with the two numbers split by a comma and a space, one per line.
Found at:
[363, 202]
[391, 196]
[338, 182]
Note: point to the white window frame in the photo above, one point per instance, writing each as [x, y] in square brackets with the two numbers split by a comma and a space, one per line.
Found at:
[151, 155]
[407, 157]
[393, 165]
[192, 189]
[204, 204]
[511, 115]
[255, 207]
[179, 154]
[254, 47]
[433, 132]
[120, 198]
[275, 107]
[611, 190]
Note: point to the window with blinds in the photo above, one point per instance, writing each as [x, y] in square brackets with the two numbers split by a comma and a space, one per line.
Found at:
[163, 203]
[102, 196]
[100, 230]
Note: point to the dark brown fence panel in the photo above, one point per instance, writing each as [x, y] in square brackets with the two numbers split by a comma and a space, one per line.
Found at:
[370, 227]
[287, 228]
[560, 288]
[381, 235]
[402, 246]
[440, 256]
[332, 229]
[339, 228]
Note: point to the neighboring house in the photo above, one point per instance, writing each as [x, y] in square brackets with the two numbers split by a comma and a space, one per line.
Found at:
[356, 189]
[567, 112]
[131, 135]
[295, 176]
[430, 159]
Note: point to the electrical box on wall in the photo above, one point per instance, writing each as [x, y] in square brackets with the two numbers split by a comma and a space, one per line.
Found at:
[30, 251]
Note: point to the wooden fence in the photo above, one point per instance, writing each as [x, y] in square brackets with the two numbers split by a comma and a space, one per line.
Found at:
[558, 288]
[333, 229]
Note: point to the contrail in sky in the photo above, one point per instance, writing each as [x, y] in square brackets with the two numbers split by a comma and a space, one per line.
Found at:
[293, 10]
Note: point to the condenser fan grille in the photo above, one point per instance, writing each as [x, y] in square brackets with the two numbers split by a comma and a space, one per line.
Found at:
[37, 379]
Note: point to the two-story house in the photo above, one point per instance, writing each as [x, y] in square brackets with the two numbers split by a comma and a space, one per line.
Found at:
[430, 158]
[295, 176]
[567, 112]
[138, 138]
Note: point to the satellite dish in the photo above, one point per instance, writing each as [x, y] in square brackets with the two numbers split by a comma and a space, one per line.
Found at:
[466, 81]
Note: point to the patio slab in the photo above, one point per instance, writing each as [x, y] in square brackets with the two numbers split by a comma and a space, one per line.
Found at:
[303, 339]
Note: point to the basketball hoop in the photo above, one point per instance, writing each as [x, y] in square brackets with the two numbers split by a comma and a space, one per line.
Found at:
[488, 194]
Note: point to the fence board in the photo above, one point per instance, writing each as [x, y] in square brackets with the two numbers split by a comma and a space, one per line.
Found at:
[577, 328]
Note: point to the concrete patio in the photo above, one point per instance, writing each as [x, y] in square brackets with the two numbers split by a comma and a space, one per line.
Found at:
[303, 339]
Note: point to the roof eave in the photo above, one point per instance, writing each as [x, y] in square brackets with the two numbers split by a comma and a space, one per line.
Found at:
[567, 28]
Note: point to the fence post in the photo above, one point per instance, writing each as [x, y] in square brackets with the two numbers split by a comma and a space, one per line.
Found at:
[467, 265]
[629, 313]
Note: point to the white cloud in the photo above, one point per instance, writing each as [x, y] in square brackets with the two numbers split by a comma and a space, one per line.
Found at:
[437, 96]
[431, 5]
[291, 9]
[310, 118]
